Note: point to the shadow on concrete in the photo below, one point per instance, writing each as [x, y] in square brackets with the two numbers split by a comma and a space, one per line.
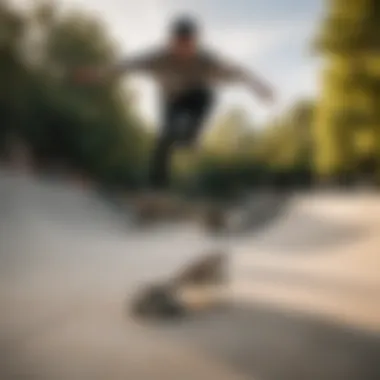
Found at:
[259, 212]
[266, 343]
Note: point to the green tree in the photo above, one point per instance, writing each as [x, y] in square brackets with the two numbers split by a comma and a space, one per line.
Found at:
[93, 128]
[13, 73]
[347, 121]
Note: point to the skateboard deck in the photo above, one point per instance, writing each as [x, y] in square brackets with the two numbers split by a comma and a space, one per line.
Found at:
[169, 208]
[200, 286]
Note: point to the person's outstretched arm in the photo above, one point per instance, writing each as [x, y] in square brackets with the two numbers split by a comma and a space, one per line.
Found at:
[144, 63]
[232, 73]
[256, 84]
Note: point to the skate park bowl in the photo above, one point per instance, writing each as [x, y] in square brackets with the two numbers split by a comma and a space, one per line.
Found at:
[304, 291]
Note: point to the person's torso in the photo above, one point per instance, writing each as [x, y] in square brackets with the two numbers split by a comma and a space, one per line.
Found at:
[176, 75]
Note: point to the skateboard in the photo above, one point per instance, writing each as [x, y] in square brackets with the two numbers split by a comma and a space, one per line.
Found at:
[168, 208]
[200, 286]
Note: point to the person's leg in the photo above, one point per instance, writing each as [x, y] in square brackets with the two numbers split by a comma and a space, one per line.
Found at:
[159, 173]
[183, 119]
[160, 165]
[196, 104]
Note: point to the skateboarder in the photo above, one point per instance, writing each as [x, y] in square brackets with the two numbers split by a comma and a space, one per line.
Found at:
[187, 74]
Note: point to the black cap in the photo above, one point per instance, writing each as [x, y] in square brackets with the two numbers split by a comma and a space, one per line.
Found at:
[184, 26]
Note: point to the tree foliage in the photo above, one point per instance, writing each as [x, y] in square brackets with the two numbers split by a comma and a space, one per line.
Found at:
[347, 123]
[93, 128]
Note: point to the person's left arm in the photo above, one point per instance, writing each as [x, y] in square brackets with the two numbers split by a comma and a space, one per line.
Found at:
[233, 73]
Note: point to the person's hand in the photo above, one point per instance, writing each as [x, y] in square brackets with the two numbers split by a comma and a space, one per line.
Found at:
[267, 95]
[262, 90]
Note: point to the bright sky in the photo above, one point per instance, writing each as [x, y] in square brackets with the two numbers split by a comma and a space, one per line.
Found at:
[271, 37]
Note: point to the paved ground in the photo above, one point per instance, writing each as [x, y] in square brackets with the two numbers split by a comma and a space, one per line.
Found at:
[305, 292]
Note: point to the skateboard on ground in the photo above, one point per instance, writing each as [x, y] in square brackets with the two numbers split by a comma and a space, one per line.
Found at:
[200, 286]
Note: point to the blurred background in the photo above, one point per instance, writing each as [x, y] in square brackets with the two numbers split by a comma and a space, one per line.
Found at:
[321, 58]
[305, 285]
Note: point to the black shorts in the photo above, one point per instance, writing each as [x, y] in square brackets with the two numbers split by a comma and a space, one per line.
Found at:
[184, 116]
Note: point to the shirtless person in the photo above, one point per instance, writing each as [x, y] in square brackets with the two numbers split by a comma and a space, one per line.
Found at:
[187, 74]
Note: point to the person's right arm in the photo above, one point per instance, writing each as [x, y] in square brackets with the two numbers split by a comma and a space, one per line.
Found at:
[144, 63]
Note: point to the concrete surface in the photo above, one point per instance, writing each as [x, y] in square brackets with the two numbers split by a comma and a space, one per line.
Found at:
[305, 292]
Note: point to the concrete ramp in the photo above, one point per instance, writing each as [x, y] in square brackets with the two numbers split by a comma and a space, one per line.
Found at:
[320, 256]
[304, 292]
[68, 264]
